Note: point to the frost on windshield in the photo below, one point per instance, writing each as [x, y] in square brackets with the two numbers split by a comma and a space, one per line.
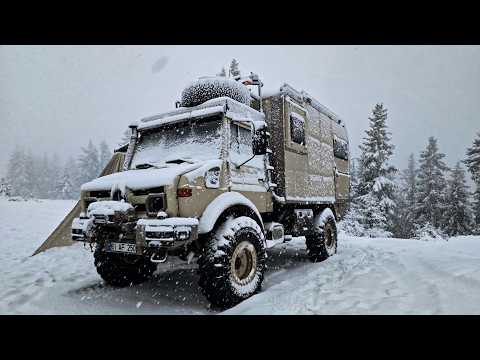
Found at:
[191, 140]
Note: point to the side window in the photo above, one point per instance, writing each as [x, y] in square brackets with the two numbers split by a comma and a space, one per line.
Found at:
[340, 148]
[297, 128]
[240, 142]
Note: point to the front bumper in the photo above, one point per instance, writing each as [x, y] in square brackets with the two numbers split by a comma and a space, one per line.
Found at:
[169, 233]
[150, 234]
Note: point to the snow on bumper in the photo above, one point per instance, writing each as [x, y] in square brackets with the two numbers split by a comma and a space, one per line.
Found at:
[166, 233]
[80, 227]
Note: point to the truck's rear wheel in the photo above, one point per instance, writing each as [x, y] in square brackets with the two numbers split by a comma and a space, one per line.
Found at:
[324, 243]
[122, 270]
[232, 263]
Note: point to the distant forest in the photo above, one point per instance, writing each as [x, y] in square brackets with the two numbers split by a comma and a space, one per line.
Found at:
[45, 177]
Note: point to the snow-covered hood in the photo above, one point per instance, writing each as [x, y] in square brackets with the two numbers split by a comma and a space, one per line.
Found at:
[142, 179]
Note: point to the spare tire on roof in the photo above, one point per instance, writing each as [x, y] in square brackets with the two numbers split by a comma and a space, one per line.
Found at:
[208, 88]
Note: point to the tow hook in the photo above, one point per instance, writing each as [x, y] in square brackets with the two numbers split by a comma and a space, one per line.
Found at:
[156, 258]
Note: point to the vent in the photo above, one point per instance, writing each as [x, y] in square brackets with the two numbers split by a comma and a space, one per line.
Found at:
[142, 192]
[100, 194]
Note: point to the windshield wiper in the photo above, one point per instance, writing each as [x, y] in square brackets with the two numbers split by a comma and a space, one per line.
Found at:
[179, 161]
[144, 166]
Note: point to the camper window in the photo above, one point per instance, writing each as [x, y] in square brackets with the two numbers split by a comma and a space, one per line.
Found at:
[340, 148]
[297, 128]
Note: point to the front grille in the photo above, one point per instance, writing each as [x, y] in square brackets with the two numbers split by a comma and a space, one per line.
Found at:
[100, 194]
[160, 234]
[143, 192]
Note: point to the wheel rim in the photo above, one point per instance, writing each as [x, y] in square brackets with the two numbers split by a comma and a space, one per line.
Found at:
[243, 264]
[329, 237]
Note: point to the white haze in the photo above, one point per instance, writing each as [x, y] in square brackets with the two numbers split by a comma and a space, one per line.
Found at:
[56, 98]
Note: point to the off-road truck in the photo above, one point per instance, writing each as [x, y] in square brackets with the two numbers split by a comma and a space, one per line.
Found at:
[220, 179]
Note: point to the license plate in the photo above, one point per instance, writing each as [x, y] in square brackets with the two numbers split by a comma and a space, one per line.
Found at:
[123, 248]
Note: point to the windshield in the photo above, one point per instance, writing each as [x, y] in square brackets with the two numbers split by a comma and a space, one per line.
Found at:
[189, 140]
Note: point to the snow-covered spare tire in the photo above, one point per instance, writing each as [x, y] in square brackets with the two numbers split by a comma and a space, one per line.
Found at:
[205, 89]
[232, 264]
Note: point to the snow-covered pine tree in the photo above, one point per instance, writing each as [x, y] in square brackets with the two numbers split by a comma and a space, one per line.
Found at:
[457, 212]
[89, 163]
[64, 186]
[376, 187]
[234, 69]
[431, 187]
[404, 217]
[14, 171]
[353, 172]
[5, 188]
[72, 169]
[350, 223]
[473, 165]
[43, 177]
[222, 72]
[55, 173]
[105, 154]
[28, 177]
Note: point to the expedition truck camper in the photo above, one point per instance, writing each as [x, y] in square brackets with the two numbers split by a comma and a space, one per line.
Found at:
[222, 178]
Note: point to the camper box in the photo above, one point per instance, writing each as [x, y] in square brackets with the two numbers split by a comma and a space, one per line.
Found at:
[310, 149]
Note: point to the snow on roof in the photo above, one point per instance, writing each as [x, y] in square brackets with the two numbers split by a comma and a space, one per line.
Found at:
[301, 96]
[230, 107]
[182, 116]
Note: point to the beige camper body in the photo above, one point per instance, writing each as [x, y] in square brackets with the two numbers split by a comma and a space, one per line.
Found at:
[313, 170]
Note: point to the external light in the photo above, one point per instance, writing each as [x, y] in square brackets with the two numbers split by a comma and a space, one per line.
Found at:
[184, 192]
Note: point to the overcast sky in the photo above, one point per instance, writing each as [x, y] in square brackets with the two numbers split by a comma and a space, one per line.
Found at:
[56, 98]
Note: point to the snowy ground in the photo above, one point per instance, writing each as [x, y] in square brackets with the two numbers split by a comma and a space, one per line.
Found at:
[367, 276]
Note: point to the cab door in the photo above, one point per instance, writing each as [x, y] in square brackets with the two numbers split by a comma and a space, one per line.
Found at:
[248, 179]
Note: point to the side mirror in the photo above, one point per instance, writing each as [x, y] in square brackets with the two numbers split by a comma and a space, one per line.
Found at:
[260, 141]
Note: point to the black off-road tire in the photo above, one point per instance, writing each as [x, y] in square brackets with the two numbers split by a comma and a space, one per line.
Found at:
[323, 244]
[122, 270]
[232, 263]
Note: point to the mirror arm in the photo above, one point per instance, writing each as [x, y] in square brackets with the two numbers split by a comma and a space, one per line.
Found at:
[238, 166]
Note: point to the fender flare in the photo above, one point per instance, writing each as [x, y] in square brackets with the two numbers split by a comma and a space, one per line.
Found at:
[222, 203]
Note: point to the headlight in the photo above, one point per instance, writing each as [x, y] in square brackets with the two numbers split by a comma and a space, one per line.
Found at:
[212, 178]
[182, 234]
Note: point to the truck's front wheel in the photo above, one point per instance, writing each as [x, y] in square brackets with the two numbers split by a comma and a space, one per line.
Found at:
[121, 270]
[232, 263]
[323, 243]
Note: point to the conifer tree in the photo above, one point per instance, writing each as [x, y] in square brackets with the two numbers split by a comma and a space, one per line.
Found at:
[55, 173]
[375, 190]
[89, 163]
[473, 165]
[404, 218]
[105, 154]
[15, 171]
[222, 72]
[431, 185]
[234, 68]
[457, 212]
[5, 188]
[65, 184]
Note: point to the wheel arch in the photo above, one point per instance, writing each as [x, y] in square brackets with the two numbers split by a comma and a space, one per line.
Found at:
[225, 205]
